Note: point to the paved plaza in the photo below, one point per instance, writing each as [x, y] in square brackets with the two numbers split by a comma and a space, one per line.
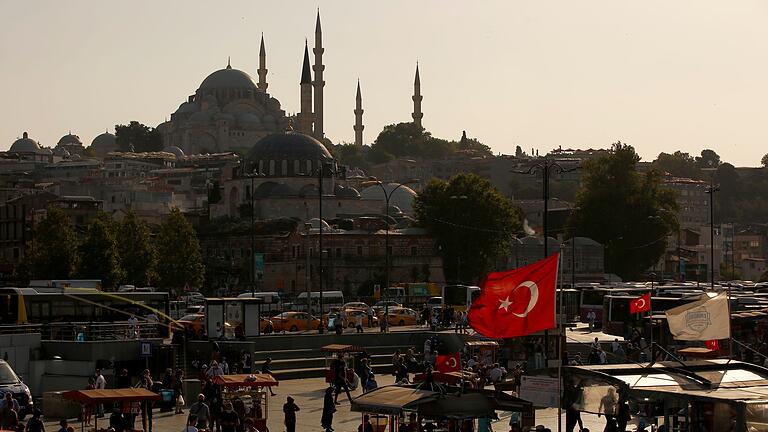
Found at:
[309, 397]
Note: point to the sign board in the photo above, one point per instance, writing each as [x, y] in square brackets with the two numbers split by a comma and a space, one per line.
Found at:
[540, 391]
[258, 264]
[145, 349]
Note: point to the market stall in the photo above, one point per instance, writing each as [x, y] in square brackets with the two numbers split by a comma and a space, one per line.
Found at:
[128, 400]
[247, 395]
[347, 353]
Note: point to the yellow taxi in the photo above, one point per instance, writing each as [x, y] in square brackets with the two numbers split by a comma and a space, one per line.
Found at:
[294, 321]
[402, 316]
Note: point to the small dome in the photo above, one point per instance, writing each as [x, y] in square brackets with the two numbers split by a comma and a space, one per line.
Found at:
[69, 139]
[315, 223]
[179, 153]
[402, 197]
[106, 141]
[345, 191]
[226, 79]
[25, 145]
[290, 146]
[308, 190]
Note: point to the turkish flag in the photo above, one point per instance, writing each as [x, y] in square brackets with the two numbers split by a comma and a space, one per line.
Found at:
[640, 304]
[516, 302]
[713, 344]
[448, 363]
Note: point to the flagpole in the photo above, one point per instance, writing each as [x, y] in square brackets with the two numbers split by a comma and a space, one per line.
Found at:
[560, 343]
[650, 316]
[730, 329]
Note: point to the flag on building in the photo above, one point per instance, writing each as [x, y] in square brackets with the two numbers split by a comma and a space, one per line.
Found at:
[448, 363]
[702, 320]
[640, 304]
[516, 302]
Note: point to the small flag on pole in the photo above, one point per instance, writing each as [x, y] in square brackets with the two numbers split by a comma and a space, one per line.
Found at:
[640, 304]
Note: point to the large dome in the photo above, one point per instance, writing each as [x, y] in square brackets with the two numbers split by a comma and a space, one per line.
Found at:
[402, 197]
[226, 79]
[105, 141]
[288, 146]
[25, 145]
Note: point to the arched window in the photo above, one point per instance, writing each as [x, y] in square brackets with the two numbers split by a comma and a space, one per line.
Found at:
[309, 167]
[261, 166]
[271, 167]
[284, 170]
[296, 167]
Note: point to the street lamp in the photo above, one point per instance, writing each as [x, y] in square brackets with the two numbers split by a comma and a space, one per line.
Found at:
[387, 197]
[546, 167]
[252, 176]
[711, 189]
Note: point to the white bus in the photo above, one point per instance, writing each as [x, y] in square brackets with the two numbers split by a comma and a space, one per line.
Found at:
[330, 299]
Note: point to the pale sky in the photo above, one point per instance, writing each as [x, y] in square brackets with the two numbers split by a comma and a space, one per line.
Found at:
[658, 74]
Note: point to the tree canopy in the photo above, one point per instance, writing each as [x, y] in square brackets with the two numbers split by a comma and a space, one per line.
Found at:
[99, 258]
[629, 212]
[52, 254]
[138, 255]
[138, 137]
[181, 263]
[471, 221]
[678, 164]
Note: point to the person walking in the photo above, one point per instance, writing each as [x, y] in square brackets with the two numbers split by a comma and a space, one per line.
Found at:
[591, 317]
[201, 412]
[329, 407]
[101, 384]
[366, 425]
[359, 323]
[370, 314]
[145, 382]
[289, 410]
[178, 391]
[339, 367]
[266, 368]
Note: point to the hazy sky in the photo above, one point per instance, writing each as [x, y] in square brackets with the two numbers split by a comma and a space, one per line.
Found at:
[660, 75]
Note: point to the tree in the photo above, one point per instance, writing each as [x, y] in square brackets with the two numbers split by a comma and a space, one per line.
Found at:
[181, 263]
[351, 155]
[471, 221]
[764, 161]
[138, 137]
[708, 159]
[409, 139]
[628, 212]
[53, 252]
[678, 164]
[99, 258]
[138, 255]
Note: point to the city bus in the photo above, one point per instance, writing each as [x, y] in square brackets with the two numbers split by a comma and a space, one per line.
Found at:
[330, 299]
[61, 305]
[271, 303]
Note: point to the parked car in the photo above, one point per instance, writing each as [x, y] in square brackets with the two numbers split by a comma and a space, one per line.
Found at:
[355, 305]
[402, 316]
[194, 324]
[294, 321]
[381, 305]
[11, 383]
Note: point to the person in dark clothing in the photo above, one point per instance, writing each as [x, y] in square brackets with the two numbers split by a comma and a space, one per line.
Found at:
[116, 420]
[622, 416]
[329, 407]
[339, 367]
[289, 409]
[35, 424]
[123, 379]
[366, 425]
[229, 419]
[266, 368]
[401, 371]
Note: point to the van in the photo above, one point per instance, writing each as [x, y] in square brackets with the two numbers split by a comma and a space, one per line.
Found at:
[330, 299]
[11, 383]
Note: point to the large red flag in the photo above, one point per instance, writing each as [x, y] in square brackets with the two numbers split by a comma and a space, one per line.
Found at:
[448, 363]
[516, 302]
[640, 304]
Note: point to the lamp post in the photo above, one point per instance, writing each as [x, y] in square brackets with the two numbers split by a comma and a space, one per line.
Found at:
[252, 176]
[711, 191]
[387, 197]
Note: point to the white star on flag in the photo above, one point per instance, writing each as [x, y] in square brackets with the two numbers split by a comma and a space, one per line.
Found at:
[504, 304]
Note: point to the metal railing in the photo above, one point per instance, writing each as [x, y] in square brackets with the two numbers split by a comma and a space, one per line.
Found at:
[86, 331]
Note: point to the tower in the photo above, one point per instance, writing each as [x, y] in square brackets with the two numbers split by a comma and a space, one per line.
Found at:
[417, 114]
[305, 115]
[262, 85]
[358, 117]
[318, 84]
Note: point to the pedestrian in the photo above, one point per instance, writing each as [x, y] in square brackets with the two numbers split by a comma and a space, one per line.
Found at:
[133, 327]
[200, 412]
[591, 317]
[359, 323]
[87, 409]
[145, 382]
[191, 424]
[329, 407]
[117, 420]
[266, 368]
[229, 420]
[35, 424]
[9, 413]
[370, 314]
[339, 368]
[63, 425]
[219, 330]
[101, 384]
[427, 348]
[289, 410]
[123, 379]
[178, 390]
[401, 372]
[224, 366]
[247, 362]
[366, 425]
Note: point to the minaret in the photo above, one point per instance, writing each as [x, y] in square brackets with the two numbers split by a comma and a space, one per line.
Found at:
[262, 85]
[305, 115]
[417, 114]
[358, 117]
[318, 68]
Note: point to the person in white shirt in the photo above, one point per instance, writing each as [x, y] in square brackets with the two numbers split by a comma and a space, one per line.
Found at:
[471, 363]
[615, 345]
[591, 318]
[215, 370]
[101, 384]
[359, 323]
[595, 344]
[224, 366]
[495, 374]
[133, 324]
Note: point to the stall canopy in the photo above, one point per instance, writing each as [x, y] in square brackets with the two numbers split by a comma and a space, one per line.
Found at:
[393, 400]
[245, 380]
[339, 348]
[112, 395]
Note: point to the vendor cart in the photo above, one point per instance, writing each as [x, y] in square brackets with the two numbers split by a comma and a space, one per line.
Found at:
[347, 352]
[487, 351]
[247, 395]
[128, 400]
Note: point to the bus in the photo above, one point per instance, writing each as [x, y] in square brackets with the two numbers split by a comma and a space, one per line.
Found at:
[617, 319]
[459, 297]
[330, 299]
[57, 305]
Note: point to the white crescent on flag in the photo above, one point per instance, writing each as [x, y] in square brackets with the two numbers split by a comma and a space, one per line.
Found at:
[534, 297]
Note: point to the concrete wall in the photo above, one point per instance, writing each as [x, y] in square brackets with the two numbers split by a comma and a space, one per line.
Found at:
[95, 350]
[19, 350]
